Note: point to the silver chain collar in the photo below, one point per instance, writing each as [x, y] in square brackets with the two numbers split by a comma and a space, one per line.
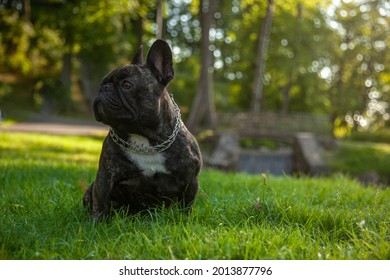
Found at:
[149, 150]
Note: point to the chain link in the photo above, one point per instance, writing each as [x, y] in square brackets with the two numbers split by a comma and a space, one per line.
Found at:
[149, 150]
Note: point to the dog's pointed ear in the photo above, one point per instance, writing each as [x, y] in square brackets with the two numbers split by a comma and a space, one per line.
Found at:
[139, 57]
[159, 60]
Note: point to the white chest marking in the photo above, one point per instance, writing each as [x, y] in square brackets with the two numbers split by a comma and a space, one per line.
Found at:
[148, 164]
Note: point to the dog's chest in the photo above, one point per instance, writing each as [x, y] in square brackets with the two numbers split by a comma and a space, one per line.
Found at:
[148, 164]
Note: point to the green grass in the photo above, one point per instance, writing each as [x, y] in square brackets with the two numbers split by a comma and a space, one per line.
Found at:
[379, 136]
[356, 158]
[236, 216]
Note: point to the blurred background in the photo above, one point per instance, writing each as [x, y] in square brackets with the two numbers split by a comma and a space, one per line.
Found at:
[259, 68]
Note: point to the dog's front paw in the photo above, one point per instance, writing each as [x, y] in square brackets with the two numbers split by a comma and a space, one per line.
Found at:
[87, 198]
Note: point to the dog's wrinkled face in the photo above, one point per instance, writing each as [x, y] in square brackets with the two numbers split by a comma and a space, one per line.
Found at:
[130, 96]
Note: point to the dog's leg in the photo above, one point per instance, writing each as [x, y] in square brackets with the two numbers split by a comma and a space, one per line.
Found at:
[87, 199]
[101, 193]
[189, 195]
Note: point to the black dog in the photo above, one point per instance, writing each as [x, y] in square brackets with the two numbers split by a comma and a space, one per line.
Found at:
[149, 158]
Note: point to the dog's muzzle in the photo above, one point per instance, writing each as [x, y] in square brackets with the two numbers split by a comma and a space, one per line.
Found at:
[105, 90]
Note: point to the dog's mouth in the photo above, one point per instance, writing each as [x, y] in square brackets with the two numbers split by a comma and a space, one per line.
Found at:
[107, 112]
[98, 110]
[113, 107]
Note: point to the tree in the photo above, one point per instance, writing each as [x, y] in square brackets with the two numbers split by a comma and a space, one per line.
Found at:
[159, 19]
[257, 91]
[323, 56]
[204, 101]
[286, 89]
[358, 94]
[296, 54]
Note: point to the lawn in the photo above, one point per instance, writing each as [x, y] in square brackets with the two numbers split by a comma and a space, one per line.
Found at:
[236, 216]
[356, 158]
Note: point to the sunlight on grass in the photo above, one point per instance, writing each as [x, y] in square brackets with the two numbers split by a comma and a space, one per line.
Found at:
[236, 216]
[357, 158]
[42, 149]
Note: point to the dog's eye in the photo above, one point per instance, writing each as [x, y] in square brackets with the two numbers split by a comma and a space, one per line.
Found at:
[126, 85]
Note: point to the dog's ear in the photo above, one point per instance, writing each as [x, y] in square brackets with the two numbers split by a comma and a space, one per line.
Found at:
[139, 57]
[159, 60]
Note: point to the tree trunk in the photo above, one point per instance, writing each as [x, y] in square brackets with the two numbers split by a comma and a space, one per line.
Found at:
[65, 77]
[159, 19]
[262, 48]
[66, 70]
[26, 9]
[295, 47]
[89, 83]
[337, 98]
[204, 99]
[286, 94]
[136, 32]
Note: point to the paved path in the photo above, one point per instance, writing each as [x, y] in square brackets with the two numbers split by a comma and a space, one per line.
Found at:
[56, 125]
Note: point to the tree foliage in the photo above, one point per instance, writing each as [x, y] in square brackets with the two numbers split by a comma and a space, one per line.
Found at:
[324, 57]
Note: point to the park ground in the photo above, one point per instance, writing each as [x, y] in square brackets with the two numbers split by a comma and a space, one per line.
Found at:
[236, 216]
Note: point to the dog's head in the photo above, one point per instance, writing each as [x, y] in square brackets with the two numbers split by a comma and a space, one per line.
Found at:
[130, 96]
